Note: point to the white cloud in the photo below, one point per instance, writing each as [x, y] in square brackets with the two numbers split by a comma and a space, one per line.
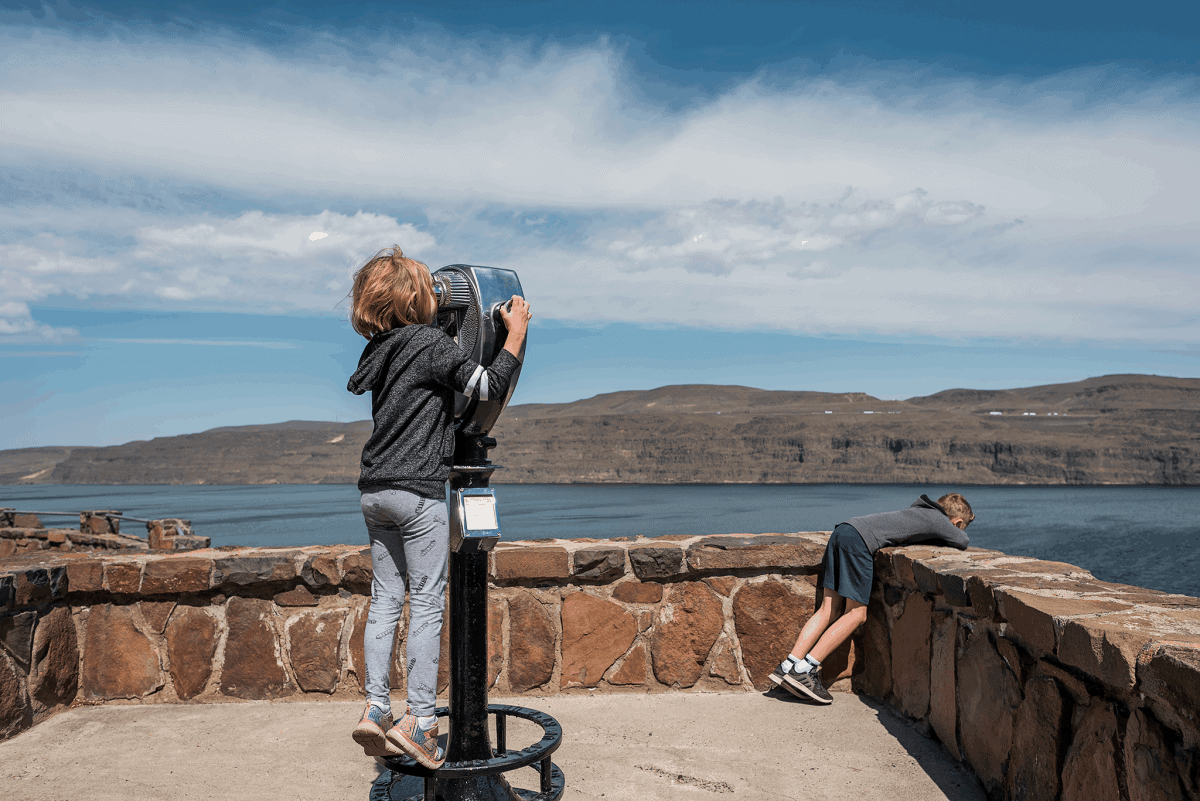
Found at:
[869, 201]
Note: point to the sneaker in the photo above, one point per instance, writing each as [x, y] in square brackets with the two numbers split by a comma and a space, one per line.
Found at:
[777, 676]
[420, 744]
[807, 685]
[371, 733]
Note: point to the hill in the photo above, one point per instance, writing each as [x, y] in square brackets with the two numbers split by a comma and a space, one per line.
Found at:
[1121, 429]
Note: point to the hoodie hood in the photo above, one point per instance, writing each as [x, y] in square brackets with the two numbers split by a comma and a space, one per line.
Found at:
[925, 503]
[373, 363]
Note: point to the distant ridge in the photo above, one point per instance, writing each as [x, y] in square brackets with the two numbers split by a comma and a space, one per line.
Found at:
[1120, 429]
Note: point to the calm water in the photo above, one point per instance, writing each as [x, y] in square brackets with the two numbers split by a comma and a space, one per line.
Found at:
[1148, 536]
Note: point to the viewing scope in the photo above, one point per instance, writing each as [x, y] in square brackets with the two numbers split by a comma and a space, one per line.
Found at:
[469, 300]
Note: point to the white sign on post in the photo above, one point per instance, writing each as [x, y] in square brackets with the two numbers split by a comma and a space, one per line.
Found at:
[480, 512]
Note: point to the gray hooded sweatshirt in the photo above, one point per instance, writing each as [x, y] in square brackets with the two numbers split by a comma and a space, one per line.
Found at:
[924, 521]
[412, 373]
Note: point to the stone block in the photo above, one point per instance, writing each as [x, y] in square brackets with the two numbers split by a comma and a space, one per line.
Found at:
[297, 596]
[1039, 727]
[943, 691]
[734, 553]
[191, 636]
[633, 670]
[8, 591]
[156, 614]
[314, 644]
[1170, 671]
[15, 710]
[599, 564]
[321, 570]
[100, 521]
[123, 577]
[118, 660]
[253, 668]
[1090, 769]
[16, 636]
[723, 585]
[531, 650]
[910, 656]
[25, 520]
[637, 592]
[357, 571]
[443, 678]
[7, 549]
[1104, 649]
[85, 575]
[983, 599]
[988, 699]
[174, 576]
[1031, 617]
[496, 607]
[723, 664]
[54, 678]
[685, 629]
[530, 563]
[56, 536]
[32, 586]
[952, 584]
[595, 633]
[768, 617]
[876, 676]
[358, 632]
[651, 562]
[243, 570]
[1151, 772]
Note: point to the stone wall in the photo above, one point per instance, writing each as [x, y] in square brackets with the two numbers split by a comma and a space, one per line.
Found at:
[1049, 683]
[23, 532]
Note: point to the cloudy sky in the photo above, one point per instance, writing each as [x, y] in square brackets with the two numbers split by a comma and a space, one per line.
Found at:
[890, 197]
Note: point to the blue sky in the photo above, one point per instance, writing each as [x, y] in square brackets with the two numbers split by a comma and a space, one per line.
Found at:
[890, 197]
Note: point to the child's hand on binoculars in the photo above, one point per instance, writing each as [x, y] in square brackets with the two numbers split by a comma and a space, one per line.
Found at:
[516, 315]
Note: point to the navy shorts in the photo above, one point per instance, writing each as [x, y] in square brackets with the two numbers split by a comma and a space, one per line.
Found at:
[849, 568]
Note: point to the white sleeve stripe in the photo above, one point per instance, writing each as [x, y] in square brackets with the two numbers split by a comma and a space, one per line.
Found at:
[469, 389]
[483, 387]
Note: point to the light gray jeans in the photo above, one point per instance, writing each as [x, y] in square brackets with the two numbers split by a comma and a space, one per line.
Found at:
[410, 545]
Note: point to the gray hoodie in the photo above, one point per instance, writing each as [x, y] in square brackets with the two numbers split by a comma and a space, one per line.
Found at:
[413, 373]
[924, 521]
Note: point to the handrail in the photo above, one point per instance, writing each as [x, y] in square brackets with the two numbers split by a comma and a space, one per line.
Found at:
[75, 514]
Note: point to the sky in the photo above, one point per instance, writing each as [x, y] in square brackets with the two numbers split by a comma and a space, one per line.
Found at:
[888, 197]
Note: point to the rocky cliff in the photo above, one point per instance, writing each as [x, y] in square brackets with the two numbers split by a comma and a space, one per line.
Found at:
[1125, 429]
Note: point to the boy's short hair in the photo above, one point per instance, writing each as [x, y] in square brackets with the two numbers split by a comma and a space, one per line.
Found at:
[391, 291]
[955, 505]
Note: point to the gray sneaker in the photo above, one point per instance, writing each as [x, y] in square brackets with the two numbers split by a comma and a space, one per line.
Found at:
[807, 685]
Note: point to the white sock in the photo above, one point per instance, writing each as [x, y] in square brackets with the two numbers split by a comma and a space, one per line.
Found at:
[380, 706]
[428, 722]
[812, 662]
[787, 664]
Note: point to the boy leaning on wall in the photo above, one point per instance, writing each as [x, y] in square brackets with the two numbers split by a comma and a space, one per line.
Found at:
[848, 573]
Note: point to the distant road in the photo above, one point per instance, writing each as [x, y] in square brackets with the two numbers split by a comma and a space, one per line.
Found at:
[1124, 429]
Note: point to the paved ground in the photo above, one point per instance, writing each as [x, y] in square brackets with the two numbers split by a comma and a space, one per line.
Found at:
[677, 746]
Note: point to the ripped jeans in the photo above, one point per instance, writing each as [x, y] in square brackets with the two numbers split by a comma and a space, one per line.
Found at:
[410, 545]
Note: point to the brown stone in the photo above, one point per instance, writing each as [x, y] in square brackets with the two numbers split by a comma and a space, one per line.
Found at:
[56, 536]
[496, 607]
[685, 628]
[321, 570]
[638, 592]
[118, 660]
[1105, 650]
[876, 676]
[15, 711]
[16, 635]
[988, 698]
[724, 664]
[910, 656]
[252, 669]
[54, 678]
[1031, 617]
[243, 570]
[599, 564]
[1170, 671]
[357, 633]
[357, 571]
[943, 696]
[649, 562]
[156, 614]
[530, 643]
[297, 596]
[732, 553]
[444, 659]
[1090, 769]
[840, 662]
[314, 642]
[85, 575]
[191, 637]
[530, 562]
[7, 548]
[722, 584]
[633, 670]
[1150, 768]
[26, 521]
[99, 522]
[122, 577]
[595, 633]
[983, 598]
[768, 617]
[1039, 726]
[172, 576]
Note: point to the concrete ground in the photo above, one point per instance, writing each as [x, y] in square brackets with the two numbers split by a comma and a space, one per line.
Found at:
[674, 745]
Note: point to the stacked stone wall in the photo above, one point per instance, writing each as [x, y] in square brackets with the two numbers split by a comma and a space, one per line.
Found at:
[1048, 683]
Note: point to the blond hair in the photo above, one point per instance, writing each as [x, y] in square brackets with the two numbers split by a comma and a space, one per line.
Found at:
[391, 291]
[955, 505]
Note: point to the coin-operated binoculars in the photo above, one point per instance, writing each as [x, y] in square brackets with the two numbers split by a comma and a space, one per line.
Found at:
[469, 303]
